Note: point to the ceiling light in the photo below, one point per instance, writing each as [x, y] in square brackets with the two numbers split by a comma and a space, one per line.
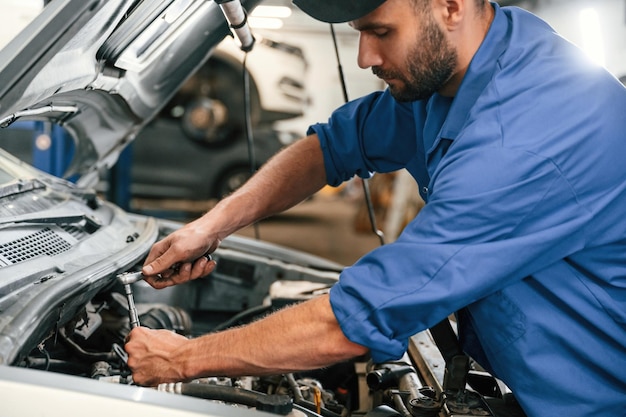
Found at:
[281, 12]
[265, 22]
[592, 40]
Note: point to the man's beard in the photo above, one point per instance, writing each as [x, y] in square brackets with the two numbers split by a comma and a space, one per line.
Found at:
[430, 64]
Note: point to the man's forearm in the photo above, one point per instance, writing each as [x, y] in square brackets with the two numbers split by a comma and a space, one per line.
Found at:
[305, 336]
[301, 337]
[288, 178]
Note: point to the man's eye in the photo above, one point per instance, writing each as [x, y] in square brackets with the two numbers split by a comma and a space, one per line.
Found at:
[381, 33]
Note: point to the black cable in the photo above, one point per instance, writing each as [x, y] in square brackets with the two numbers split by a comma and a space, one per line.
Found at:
[247, 112]
[82, 353]
[47, 358]
[276, 404]
[366, 189]
[342, 78]
[249, 133]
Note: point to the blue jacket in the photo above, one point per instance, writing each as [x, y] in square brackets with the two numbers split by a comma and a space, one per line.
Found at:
[524, 230]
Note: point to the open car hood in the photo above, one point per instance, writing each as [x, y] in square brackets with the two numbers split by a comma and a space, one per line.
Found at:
[104, 68]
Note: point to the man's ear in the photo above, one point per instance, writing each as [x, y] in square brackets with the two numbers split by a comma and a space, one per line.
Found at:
[451, 12]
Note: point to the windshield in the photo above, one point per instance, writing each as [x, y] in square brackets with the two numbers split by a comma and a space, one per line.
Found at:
[5, 178]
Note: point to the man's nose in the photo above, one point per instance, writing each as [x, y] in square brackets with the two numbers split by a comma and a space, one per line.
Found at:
[368, 53]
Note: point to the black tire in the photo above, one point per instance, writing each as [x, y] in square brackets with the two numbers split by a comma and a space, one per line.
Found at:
[230, 180]
[212, 103]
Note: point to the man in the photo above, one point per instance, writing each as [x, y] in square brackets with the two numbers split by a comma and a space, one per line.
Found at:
[517, 142]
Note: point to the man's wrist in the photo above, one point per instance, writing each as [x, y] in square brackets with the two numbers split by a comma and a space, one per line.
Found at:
[188, 360]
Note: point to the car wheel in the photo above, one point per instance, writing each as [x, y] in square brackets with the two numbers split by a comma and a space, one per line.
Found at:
[230, 181]
[206, 121]
[211, 105]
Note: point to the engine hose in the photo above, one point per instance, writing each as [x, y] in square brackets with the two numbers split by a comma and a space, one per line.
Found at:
[276, 404]
[295, 388]
[55, 365]
[83, 354]
[324, 412]
[387, 377]
[308, 405]
[398, 403]
[308, 412]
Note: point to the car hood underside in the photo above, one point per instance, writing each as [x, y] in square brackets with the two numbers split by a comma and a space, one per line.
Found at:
[103, 68]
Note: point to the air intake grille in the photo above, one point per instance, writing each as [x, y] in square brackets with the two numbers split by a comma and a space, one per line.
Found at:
[43, 242]
[76, 232]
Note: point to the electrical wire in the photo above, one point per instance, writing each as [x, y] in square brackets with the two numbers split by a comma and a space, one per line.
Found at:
[366, 189]
[248, 126]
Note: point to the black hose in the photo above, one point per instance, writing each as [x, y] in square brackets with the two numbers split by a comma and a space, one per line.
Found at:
[383, 378]
[398, 403]
[309, 405]
[55, 365]
[276, 404]
[249, 134]
[83, 354]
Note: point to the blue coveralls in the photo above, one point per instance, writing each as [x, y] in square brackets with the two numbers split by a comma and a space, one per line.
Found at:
[524, 230]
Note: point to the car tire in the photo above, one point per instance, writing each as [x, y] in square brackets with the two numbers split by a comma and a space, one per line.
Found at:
[230, 180]
[214, 105]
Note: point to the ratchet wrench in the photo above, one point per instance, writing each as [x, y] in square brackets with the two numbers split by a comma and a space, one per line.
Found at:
[128, 278]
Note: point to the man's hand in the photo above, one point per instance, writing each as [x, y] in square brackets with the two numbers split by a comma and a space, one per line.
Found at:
[278, 343]
[180, 256]
[153, 357]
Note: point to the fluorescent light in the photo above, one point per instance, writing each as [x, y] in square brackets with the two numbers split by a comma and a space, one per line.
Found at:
[593, 42]
[265, 22]
[271, 11]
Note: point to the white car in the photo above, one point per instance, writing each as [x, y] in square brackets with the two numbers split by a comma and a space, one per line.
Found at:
[103, 69]
[205, 122]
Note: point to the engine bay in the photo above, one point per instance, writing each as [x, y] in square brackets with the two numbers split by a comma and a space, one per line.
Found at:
[246, 285]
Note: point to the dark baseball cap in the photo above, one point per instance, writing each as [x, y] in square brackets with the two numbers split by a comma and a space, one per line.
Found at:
[337, 11]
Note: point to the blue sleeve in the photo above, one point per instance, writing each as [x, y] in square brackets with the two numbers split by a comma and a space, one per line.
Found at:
[495, 216]
[372, 134]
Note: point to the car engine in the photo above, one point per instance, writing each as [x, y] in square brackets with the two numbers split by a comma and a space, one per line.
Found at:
[65, 314]
[246, 285]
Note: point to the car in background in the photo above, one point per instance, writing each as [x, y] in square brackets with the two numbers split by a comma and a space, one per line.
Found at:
[162, 163]
[212, 134]
[103, 69]
[199, 147]
[215, 105]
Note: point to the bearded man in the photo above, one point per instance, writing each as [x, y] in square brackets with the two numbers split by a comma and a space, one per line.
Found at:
[517, 143]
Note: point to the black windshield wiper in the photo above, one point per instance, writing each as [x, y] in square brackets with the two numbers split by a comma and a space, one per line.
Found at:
[20, 187]
[90, 224]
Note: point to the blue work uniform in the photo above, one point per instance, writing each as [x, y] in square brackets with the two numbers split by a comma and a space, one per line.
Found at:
[524, 230]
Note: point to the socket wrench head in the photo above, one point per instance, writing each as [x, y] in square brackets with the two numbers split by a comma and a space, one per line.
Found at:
[129, 277]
